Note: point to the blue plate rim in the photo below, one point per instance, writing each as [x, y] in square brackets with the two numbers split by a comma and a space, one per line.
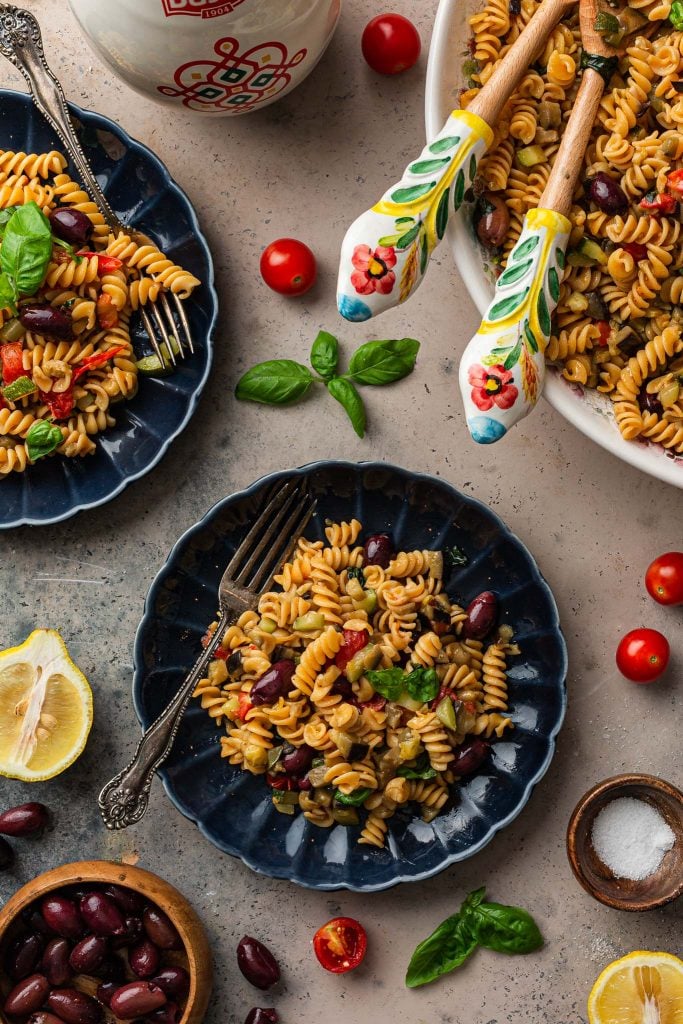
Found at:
[136, 146]
[245, 493]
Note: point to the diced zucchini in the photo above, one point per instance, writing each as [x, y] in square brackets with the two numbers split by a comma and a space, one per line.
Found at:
[345, 815]
[18, 389]
[267, 625]
[13, 330]
[529, 156]
[363, 661]
[445, 712]
[606, 22]
[586, 254]
[408, 702]
[310, 621]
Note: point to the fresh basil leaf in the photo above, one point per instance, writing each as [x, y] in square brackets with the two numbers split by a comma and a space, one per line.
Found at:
[456, 556]
[445, 949]
[5, 215]
[345, 393]
[389, 682]
[422, 684]
[325, 355]
[42, 438]
[69, 248]
[421, 770]
[502, 928]
[26, 248]
[275, 382]
[382, 362]
[354, 799]
[8, 293]
[473, 900]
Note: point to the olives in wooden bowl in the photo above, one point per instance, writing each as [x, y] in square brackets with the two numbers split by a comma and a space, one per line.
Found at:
[95, 942]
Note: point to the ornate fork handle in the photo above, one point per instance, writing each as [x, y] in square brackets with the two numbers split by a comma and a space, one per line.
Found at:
[21, 43]
[123, 801]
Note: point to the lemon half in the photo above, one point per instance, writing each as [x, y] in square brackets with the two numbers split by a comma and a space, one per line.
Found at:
[641, 988]
[45, 708]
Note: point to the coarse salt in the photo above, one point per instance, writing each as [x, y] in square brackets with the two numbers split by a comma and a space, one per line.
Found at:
[631, 837]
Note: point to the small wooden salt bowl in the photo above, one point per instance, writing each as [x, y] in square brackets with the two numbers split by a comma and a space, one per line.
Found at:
[666, 883]
[197, 952]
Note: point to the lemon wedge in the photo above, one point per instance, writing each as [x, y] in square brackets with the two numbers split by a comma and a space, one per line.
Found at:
[641, 988]
[45, 708]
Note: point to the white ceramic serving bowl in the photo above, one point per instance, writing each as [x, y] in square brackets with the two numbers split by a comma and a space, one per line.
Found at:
[218, 57]
[589, 411]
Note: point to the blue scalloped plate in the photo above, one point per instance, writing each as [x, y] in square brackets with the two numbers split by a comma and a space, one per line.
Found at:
[232, 808]
[142, 192]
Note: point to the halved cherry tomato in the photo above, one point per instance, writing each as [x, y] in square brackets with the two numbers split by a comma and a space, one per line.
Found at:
[642, 655]
[674, 183]
[60, 403]
[354, 640]
[664, 578]
[288, 266]
[340, 944]
[12, 361]
[658, 203]
[105, 264]
[391, 44]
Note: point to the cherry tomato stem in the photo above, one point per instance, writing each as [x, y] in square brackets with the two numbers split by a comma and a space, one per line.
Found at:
[340, 945]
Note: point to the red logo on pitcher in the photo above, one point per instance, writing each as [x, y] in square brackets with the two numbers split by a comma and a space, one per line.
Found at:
[200, 8]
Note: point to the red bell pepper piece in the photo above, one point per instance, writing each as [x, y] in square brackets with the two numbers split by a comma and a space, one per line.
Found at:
[635, 249]
[244, 705]
[105, 264]
[605, 330]
[12, 361]
[107, 313]
[97, 360]
[354, 640]
[674, 183]
[658, 203]
[60, 403]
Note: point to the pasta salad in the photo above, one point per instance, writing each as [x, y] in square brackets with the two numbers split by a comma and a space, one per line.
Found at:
[68, 291]
[359, 686]
[618, 323]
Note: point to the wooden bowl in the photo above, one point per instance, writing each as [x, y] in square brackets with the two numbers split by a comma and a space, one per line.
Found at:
[196, 956]
[666, 883]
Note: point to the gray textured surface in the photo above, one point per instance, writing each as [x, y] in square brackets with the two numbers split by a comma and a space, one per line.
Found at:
[304, 167]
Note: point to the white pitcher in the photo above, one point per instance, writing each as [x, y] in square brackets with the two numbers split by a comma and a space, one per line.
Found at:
[220, 57]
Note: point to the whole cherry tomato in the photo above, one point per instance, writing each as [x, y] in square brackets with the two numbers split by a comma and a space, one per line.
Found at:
[288, 266]
[664, 578]
[642, 655]
[340, 944]
[390, 44]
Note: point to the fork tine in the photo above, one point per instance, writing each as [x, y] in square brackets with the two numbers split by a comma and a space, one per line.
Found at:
[175, 333]
[152, 336]
[256, 530]
[293, 528]
[162, 329]
[265, 540]
[180, 309]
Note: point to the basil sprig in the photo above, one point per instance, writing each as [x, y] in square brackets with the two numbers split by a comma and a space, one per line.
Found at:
[422, 769]
[495, 926]
[421, 684]
[283, 381]
[42, 438]
[25, 253]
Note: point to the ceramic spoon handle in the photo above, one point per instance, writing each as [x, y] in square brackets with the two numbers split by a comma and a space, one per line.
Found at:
[386, 251]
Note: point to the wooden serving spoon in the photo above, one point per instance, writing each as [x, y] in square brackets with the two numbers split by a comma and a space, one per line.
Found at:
[385, 252]
[502, 370]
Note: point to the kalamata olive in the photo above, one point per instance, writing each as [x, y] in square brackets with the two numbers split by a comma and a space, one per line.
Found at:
[106, 990]
[24, 956]
[34, 920]
[54, 963]
[126, 900]
[6, 855]
[74, 1007]
[491, 220]
[144, 959]
[43, 1017]
[305, 783]
[70, 225]
[174, 981]
[469, 756]
[160, 929]
[649, 403]
[262, 1015]
[61, 915]
[28, 995]
[101, 914]
[136, 999]
[378, 550]
[88, 954]
[111, 969]
[257, 963]
[44, 319]
[298, 761]
[482, 613]
[132, 933]
[273, 684]
[24, 820]
[168, 1014]
[607, 194]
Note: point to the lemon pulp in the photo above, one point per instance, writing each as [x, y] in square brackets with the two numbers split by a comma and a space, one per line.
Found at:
[641, 988]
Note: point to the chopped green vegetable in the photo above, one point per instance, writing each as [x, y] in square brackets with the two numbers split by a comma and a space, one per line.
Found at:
[388, 682]
[267, 625]
[676, 15]
[456, 556]
[310, 621]
[445, 712]
[42, 438]
[422, 684]
[18, 388]
[422, 769]
[356, 573]
[606, 22]
[368, 657]
[369, 602]
[150, 366]
[354, 799]
[13, 330]
[529, 156]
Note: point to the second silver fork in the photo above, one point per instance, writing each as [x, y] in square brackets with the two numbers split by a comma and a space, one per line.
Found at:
[22, 45]
[269, 542]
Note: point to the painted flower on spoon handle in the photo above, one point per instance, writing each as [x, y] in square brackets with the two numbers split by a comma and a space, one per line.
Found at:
[386, 250]
[503, 368]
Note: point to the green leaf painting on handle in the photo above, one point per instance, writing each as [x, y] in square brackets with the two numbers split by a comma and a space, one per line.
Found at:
[514, 273]
[529, 335]
[473, 167]
[424, 253]
[513, 357]
[405, 240]
[560, 258]
[442, 215]
[553, 284]
[429, 166]
[508, 305]
[412, 192]
[543, 312]
[443, 145]
[520, 251]
[459, 190]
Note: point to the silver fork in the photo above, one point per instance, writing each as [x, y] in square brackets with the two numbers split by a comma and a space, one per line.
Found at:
[21, 43]
[249, 573]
